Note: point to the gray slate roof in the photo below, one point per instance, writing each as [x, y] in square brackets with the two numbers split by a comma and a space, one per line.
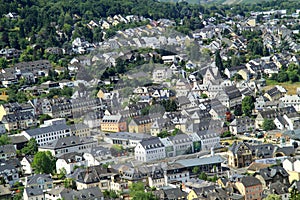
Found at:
[48, 129]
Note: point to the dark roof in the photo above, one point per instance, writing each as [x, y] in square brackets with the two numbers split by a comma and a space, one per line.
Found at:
[33, 191]
[174, 193]
[249, 181]
[278, 188]
[270, 172]
[34, 179]
[263, 150]
[17, 116]
[8, 148]
[90, 175]
[273, 92]
[84, 194]
[232, 92]
[71, 157]
[236, 145]
[277, 112]
[68, 142]
[151, 143]
[48, 129]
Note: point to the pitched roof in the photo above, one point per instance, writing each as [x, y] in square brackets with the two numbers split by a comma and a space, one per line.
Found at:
[33, 191]
[151, 143]
[68, 142]
[35, 179]
[48, 129]
[249, 181]
[278, 188]
[8, 148]
[270, 172]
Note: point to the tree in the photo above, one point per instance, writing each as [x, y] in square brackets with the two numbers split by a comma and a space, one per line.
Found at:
[43, 162]
[31, 147]
[137, 192]
[203, 176]
[4, 139]
[248, 105]
[62, 173]
[218, 61]
[44, 117]
[196, 170]
[3, 63]
[282, 77]
[273, 197]
[268, 124]
[70, 183]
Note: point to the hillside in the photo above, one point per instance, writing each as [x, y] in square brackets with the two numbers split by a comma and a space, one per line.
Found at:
[216, 1]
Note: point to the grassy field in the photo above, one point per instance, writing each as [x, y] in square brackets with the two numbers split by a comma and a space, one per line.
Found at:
[290, 87]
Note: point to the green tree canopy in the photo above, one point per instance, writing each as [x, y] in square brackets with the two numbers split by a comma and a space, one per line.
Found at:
[268, 124]
[4, 139]
[137, 192]
[248, 105]
[43, 162]
[31, 147]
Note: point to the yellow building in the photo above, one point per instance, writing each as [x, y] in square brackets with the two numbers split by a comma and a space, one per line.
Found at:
[113, 123]
[140, 124]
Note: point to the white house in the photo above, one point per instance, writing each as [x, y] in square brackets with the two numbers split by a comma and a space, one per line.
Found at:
[291, 165]
[150, 149]
[26, 165]
[69, 161]
[33, 193]
[161, 74]
[291, 100]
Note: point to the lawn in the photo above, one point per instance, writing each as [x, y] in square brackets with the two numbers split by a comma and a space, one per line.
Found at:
[290, 87]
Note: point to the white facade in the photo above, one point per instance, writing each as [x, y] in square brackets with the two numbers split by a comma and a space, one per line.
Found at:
[69, 166]
[291, 100]
[47, 134]
[26, 166]
[33, 197]
[80, 148]
[290, 165]
[146, 155]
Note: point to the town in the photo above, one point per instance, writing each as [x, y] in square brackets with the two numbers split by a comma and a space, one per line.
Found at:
[147, 106]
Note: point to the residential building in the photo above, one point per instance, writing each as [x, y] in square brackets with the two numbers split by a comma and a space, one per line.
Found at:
[113, 123]
[7, 152]
[280, 189]
[291, 100]
[182, 144]
[250, 187]
[70, 144]
[95, 176]
[48, 134]
[19, 121]
[80, 130]
[9, 173]
[42, 181]
[241, 125]
[125, 139]
[57, 193]
[161, 74]
[97, 155]
[270, 175]
[140, 124]
[230, 97]
[33, 193]
[149, 149]
[239, 155]
[272, 114]
[69, 160]
[26, 165]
